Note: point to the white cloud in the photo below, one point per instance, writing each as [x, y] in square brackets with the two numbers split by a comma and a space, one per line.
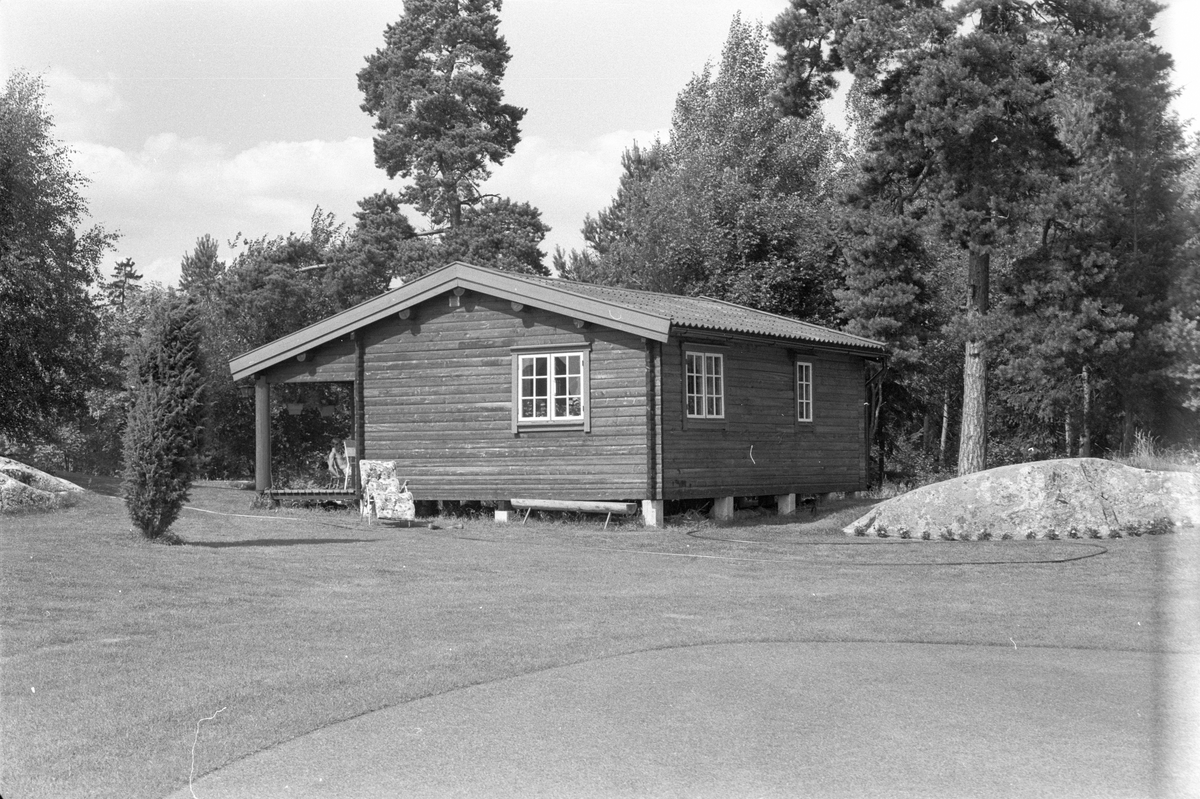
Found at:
[82, 109]
[174, 190]
[567, 183]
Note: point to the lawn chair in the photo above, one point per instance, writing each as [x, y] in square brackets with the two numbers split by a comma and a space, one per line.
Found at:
[383, 492]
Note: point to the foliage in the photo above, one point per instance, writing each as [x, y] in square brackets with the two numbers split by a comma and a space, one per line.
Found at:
[48, 261]
[1148, 453]
[275, 286]
[200, 269]
[162, 434]
[126, 281]
[1035, 135]
[434, 90]
[501, 234]
[734, 206]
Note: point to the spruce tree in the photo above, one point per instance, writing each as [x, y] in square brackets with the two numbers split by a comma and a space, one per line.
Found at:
[162, 433]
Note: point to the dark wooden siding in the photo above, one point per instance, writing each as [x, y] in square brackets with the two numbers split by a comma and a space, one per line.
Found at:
[329, 363]
[438, 395]
[709, 459]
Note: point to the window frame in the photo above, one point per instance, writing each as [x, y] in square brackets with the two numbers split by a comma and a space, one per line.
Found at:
[801, 369]
[706, 356]
[581, 422]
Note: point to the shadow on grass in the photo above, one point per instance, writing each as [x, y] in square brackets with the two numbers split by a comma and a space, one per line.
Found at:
[278, 542]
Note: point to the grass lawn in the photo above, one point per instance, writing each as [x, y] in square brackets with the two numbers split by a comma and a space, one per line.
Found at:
[112, 649]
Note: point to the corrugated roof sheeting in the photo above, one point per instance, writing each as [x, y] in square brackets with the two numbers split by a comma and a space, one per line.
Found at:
[708, 314]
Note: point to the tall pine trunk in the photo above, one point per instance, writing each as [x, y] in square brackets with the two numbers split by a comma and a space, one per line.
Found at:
[945, 428]
[1085, 435]
[972, 442]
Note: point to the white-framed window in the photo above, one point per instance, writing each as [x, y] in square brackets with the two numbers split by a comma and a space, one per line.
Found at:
[704, 385]
[551, 387]
[804, 391]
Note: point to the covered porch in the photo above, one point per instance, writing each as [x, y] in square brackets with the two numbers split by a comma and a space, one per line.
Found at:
[311, 369]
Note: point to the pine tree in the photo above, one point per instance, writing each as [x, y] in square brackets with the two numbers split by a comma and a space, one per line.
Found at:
[200, 269]
[124, 283]
[434, 90]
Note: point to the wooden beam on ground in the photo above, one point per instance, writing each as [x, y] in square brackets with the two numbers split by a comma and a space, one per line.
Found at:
[582, 506]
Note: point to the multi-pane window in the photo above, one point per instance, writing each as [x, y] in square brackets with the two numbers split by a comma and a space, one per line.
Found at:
[551, 387]
[804, 392]
[705, 385]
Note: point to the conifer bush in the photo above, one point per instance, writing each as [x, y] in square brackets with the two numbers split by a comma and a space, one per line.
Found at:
[162, 432]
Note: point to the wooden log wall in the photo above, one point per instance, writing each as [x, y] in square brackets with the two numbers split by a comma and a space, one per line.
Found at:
[760, 448]
[329, 363]
[438, 400]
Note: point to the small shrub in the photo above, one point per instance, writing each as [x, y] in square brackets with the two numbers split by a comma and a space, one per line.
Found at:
[162, 434]
[985, 535]
[1006, 536]
[926, 535]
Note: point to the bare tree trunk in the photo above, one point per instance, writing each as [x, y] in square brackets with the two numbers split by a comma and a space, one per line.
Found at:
[927, 432]
[1068, 432]
[945, 428]
[1085, 431]
[1129, 427]
[972, 443]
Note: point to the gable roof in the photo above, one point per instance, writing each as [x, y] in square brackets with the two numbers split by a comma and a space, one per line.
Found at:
[642, 313]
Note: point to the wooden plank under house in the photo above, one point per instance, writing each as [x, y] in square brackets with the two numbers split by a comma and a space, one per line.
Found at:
[488, 385]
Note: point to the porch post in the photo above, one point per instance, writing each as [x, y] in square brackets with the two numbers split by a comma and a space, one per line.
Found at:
[360, 410]
[262, 434]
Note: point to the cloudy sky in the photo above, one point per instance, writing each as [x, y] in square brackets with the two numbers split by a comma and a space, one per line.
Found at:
[218, 117]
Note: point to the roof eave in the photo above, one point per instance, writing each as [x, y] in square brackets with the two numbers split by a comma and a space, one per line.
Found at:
[455, 275]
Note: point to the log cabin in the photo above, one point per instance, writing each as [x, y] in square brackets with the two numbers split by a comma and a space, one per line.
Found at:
[489, 385]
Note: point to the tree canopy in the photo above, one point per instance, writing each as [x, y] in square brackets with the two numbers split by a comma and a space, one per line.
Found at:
[734, 205]
[1010, 129]
[48, 262]
[434, 90]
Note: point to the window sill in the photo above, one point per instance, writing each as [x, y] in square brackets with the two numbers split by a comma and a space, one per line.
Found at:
[574, 426]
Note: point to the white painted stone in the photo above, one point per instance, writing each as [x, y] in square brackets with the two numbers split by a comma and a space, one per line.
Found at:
[785, 504]
[652, 512]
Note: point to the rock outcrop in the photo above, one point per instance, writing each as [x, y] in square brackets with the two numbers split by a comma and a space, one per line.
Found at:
[1073, 498]
[23, 488]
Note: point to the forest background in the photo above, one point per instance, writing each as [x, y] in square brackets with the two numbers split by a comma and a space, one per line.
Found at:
[1014, 209]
